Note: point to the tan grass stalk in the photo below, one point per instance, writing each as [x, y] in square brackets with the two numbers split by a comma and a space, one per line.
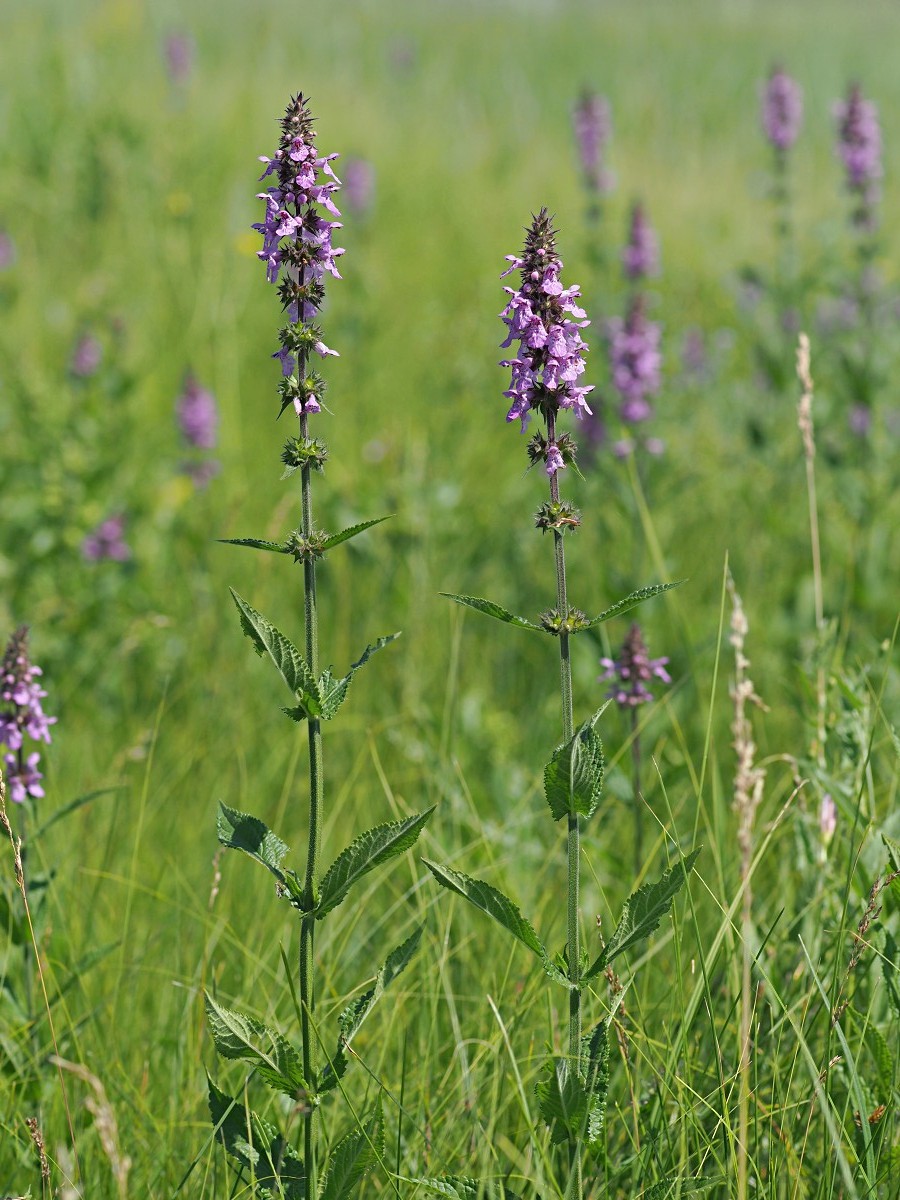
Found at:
[749, 779]
[807, 432]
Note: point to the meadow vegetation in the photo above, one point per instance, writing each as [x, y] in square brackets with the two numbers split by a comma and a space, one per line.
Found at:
[126, 203]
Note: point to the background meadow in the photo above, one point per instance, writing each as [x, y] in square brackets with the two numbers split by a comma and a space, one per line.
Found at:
[127, 197]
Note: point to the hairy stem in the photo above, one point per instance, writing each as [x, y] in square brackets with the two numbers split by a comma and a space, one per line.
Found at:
[573, 948]
[316, 795]
[636, 794]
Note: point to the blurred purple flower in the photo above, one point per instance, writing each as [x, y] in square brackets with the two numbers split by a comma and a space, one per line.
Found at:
[694, 356]
[22, 715]
[359, 185]
[859, 148]
[107, 541]
[633, 670]
[7, 251]
[640, 258]
[544, 318]
[635, 360]
[860, 420]
[782, 109]
[592, 122]
[827, 818]
[178, 51]
[86, 357]
[202, 473]
[198, 415]
[859, 138]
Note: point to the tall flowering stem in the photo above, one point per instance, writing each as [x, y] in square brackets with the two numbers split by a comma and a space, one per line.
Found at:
[544, 322]
[781, 116]
[297, 231]
[630, 674]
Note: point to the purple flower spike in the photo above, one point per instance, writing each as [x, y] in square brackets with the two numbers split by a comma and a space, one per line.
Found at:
[86, 357]
[107, 541]
[22, 715]
[198, 415]
[859, 148]
[633, 670]
[178, 51]
[298, 250]
[359, 185]
[782, 110]
[640, 258]
[635, 361]
[544, 318]
[592, 122]
[7, 251]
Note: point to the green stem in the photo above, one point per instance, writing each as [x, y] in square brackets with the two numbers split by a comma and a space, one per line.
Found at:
[316, 797]
[573, 841]
[636, 794]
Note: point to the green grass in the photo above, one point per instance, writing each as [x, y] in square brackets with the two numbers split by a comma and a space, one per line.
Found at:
[130, 207]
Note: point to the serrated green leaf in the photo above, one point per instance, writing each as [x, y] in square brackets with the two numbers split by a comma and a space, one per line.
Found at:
[596, 1056]
[357, 1010]
[256, 1145]
[238, 1036]
[255, 544]
[333, 692]
[353, 1157]
[501, 908]
[563, 1101]
[893, 849]
[350, 532]
[643, 911]
[490, 609]
[459, 1187]
[890, 970]
[366, 852]
[284, 654]
[573, 778]
[632, 601]
[666, 1187]
[240, 831]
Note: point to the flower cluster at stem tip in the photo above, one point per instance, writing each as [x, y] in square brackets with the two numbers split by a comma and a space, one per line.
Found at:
[640, 258]
[543, 317]
[592, 122]
[633, 670]
[635, 361]
[782, 110]
[22, 715]
[297, 249]
[859, 149]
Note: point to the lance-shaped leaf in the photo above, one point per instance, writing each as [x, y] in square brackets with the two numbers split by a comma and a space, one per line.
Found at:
[334, 691]
[353, 1157]
[357, 1010]
[563, 1101]
[368, 851]
[241, 1037]
[256, 1145]
[632, 601]
[459, 1187]
[573, 778]
[501, 908]
[350, 532]
[284, 654]
[490, 609]
[256, 544]
[644, 909]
